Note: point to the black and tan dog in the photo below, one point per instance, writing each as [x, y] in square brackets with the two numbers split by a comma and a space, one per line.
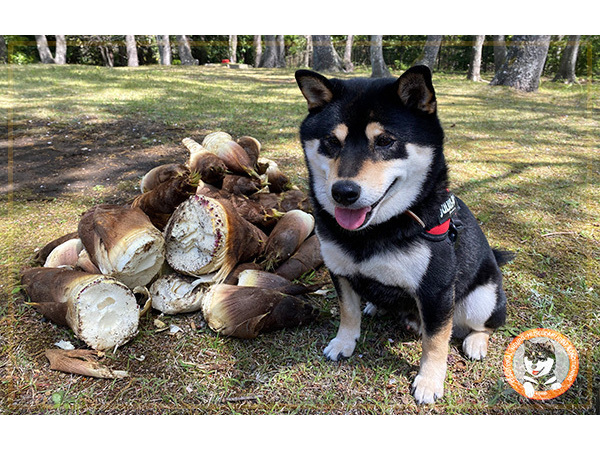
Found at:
[391, 232]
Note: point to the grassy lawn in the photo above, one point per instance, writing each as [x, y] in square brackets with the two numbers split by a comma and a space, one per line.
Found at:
[527, 164]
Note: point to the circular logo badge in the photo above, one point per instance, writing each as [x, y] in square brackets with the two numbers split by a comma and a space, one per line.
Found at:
[540, 364]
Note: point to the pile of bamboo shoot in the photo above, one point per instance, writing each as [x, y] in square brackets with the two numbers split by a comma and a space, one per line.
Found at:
[224, 233]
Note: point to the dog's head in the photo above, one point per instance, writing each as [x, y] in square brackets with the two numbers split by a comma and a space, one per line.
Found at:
[369, 144]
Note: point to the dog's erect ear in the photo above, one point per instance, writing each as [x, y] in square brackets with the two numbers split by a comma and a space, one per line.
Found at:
[315, 87]
[416, 89]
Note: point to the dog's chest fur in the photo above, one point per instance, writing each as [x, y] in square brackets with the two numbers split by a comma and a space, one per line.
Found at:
[394, 267]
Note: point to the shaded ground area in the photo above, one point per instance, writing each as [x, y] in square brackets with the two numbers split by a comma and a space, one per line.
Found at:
[50, 159]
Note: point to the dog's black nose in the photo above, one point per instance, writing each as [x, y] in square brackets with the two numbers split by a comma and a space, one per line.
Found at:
[345, 192]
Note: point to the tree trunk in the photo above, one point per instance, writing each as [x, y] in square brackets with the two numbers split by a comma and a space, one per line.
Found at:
[309, 51]
[185, 51]
[61, 49]
[280, 51]
[524, 63]
[430, 51]
[325, 58]
[43, 49]
[499, 51]
[164, 49]
[270, 55]
[3, 52]
[378, 66]
[107, 55]
[233, 48]
[132, 54]
[257, 50]
[568, 60]
[348, 66]
[474, 73]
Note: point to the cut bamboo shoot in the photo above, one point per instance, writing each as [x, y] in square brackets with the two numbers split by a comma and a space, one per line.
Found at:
[206, 235]
[176, 294]
[100, 310]
[123, 243]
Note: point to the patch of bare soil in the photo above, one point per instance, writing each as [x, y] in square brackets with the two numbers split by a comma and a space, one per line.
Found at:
[50, 159]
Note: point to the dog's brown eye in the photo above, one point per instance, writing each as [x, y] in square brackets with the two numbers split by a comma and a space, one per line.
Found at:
[332, 144]
[384, 141]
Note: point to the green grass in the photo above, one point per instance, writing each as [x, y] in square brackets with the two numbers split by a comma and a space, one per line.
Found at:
[527, 164]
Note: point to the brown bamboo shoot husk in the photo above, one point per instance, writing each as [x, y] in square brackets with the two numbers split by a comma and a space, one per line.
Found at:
[306, 259]
[252, 147]
[160, 174]
[233, 155]
[287, 236]
[123, 243]
[159, 203]
[241, 184]
[100, 310]
[285, 201]
[270, 280]
[206, 235]
[245, 312]
[277, 180]
[81, 362]
[209, 166]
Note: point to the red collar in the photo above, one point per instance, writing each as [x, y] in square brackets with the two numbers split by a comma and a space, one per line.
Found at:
[447, 211]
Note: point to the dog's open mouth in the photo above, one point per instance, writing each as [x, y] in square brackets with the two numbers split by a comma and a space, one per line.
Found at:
[352, 219]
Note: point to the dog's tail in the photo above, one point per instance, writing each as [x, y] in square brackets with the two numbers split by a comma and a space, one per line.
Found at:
[503, 256]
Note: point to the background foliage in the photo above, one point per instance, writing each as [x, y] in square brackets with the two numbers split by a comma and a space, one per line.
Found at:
[399, 51]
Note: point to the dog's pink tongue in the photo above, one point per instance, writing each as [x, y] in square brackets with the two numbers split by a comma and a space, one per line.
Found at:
[351, 219]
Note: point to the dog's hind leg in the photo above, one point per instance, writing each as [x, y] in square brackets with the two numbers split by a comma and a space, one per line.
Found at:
[342, 346]
[476, 317]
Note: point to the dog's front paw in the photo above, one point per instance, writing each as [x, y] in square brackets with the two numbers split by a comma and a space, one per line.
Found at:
[339, 348]
[427, 389]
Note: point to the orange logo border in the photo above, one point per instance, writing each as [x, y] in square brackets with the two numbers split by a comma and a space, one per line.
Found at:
[509, 354]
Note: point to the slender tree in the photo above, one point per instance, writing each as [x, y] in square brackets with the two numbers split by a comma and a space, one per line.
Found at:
[43, 49]
[430, 51]
[233, 48]
[132, 53]
[164, 49]
[524, 63]
[378, 67]
[568, 60]
[280, 51]
[325, 58]
[499, 51]
[257, 49]
[348, 66]
[474, 73]
[309, 51]
[61, 49]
